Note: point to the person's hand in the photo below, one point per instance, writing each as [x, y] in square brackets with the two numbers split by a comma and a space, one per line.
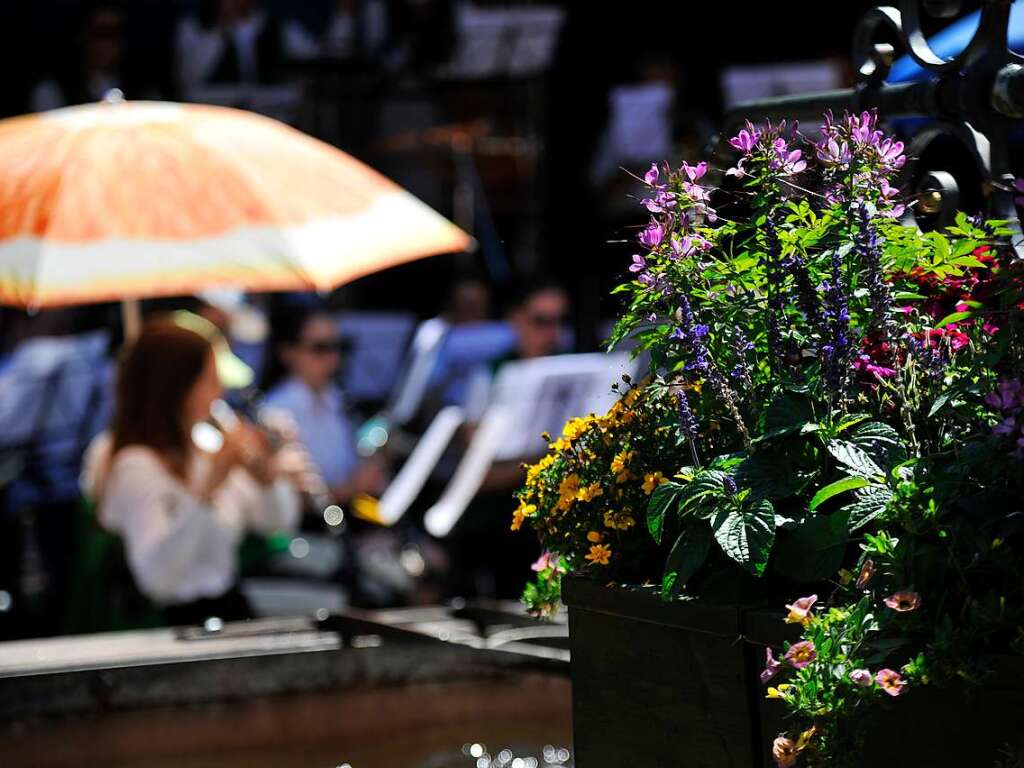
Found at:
[371, 477]
[293, 463]
[250, 447]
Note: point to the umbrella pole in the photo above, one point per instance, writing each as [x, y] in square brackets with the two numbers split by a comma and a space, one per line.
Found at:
[131, 319]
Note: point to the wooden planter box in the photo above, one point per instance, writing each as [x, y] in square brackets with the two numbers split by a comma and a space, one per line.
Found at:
[658, 684]
[676, 684]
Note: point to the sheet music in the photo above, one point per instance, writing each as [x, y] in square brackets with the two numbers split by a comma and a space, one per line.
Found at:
[409, 481]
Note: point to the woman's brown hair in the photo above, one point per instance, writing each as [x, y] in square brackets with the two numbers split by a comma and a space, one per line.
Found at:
[156, 373]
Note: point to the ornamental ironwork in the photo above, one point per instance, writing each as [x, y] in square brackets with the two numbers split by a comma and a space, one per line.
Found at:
[967, 108]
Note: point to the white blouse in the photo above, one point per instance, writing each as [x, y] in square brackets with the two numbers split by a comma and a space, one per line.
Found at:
[180, 548]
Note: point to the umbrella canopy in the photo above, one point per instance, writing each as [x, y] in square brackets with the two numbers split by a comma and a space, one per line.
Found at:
[137, 199]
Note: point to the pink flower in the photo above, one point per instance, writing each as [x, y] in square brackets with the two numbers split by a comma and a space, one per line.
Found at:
[903, 601]
[745, 140]
[651, 177]
[653, 235]
[1009, 396]
[890, 681]
[801, 654]
[695, 172]
[800, 610]
[784, 752]
[548, 560]
[861, 677]
[771, 666]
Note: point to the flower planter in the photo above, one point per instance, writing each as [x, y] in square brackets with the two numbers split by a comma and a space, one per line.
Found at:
[667, 684]
[658, 684]
[936, 727]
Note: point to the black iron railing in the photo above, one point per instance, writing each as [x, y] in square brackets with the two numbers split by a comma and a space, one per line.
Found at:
[973, 103]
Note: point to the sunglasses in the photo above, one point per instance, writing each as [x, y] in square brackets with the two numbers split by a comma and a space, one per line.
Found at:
[325, 346]
[546, 321]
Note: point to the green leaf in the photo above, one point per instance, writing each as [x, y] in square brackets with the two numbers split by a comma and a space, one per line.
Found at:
[850, 420]
[871, 502]
[907, 296]
[664, 496]
[768, 475]
[787, 413]
[956, 317]
[834, 489]
[687, 556]
[706, 486]
[746, 534]
[813, 549]
[881, 442]
[855, 460]
[875, 432]
[939, 404]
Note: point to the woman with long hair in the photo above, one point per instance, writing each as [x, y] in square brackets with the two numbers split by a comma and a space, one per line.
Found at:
[182, 510]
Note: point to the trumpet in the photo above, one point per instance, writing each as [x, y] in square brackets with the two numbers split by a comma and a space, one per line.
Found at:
[315, 492]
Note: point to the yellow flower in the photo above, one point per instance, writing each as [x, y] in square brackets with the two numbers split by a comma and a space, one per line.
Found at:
[779, 693]
[567, 491]
[618, 521]
[594, 537]
[805, 738]
[589, 493]
[524, 511]
[576, 427]
[559, 445]
[632, 396]
[621, 462]
[652, 480]
[623, 477]
[600, 554]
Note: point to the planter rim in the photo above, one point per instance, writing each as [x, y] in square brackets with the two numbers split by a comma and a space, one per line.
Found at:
[580, 593]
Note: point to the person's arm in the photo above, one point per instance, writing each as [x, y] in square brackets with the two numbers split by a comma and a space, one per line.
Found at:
[165, 528]
[370, 477]
[261, 488]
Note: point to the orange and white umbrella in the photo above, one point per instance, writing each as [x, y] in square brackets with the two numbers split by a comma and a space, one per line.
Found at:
[136, 199]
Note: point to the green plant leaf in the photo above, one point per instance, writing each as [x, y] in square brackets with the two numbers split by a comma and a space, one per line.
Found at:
[746, 534]
[834, 489]
[850, 420]
[956, 317]
[705, 486]
[813, 549]
[939, 403]
[768, 475]
[855, 460]
[687, 556]
[871, 502]
[881, 443]
[875, 432]
[664, 496]
[789, 412]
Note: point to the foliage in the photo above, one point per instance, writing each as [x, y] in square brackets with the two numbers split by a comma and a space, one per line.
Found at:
[838, 403]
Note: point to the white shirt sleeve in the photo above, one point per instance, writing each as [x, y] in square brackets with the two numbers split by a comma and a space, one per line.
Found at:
[265, 510]
[169, 534]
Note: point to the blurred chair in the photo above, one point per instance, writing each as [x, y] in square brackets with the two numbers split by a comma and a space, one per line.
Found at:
[377, 344]
[55, 396]
[466, 348]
